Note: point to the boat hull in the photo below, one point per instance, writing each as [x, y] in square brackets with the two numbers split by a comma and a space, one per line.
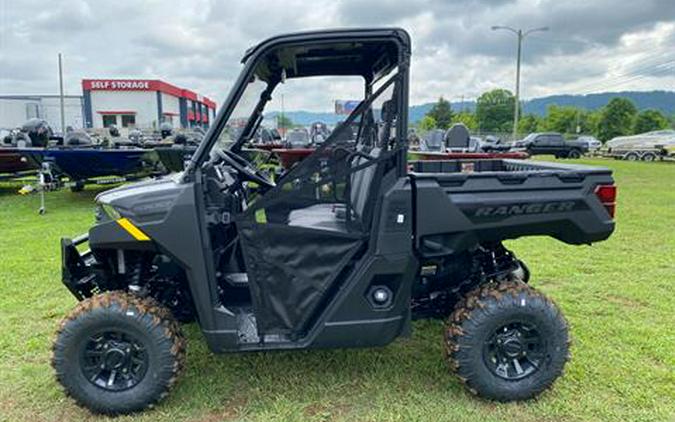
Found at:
[12, 161]
[87, 163]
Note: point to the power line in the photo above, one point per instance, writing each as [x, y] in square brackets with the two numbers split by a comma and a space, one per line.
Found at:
[645, 72]
[594, 86]
[658, 72]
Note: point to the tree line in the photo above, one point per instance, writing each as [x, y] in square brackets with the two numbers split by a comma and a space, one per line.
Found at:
[494, 113]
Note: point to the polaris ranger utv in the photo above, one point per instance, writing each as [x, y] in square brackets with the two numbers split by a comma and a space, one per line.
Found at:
[344, 250]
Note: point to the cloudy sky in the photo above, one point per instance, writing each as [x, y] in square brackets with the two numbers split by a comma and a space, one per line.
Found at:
[592, 45]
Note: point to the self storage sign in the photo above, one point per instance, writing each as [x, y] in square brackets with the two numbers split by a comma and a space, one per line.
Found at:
[119, 85]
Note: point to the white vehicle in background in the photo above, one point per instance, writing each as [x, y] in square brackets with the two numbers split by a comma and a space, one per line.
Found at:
[648, 146]
[592, 142]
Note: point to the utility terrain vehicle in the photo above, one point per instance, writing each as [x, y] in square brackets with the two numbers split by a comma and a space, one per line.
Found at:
[344, 250]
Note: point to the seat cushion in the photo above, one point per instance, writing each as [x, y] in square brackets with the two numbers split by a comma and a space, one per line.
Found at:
[317, 209]
[319, 216]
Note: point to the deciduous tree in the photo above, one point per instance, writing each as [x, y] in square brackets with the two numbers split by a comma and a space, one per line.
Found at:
[648, 120]
[494, 110]
[427, 123]
[616, 119]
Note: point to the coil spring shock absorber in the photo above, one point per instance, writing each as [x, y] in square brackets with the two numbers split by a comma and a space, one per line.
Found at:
[135, 275]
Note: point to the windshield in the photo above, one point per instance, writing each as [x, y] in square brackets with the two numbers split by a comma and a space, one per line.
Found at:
[242, 112]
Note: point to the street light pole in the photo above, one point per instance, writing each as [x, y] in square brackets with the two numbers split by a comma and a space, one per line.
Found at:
[61, 99]
[521, 36]
[516, 111]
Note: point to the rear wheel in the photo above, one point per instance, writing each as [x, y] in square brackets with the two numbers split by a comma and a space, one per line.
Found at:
[116, 353]
[574, 154]
[649, 156]
[506, 341]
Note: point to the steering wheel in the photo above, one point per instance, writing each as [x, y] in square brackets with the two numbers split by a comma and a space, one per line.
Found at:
[244, 167]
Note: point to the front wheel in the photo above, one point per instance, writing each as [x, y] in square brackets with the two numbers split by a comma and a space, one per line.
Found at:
[631, 156]
[506, 341]
[116, 353]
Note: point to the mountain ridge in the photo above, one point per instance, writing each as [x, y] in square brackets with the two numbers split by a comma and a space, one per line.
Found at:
[661, 100]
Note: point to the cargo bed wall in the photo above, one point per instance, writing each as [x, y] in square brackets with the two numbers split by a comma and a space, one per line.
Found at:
[460, 203]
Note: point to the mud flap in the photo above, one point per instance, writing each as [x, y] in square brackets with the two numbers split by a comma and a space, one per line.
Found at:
[76, 269]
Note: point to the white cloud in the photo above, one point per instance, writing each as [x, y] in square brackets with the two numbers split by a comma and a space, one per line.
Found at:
[598, 45]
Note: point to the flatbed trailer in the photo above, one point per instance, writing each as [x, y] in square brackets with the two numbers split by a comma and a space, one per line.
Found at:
[655, 153]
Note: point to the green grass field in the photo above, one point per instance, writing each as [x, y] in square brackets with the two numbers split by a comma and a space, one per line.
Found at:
[619, 297]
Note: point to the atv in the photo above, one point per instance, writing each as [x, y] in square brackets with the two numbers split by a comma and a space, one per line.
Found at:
[345, 249]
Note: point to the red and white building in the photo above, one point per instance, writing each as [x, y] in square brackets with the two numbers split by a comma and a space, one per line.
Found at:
[143, 104]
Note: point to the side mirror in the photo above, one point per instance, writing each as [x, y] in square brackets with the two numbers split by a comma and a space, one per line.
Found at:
[283, 76]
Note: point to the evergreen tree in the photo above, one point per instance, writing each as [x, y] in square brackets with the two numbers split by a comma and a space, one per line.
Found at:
[441, 112]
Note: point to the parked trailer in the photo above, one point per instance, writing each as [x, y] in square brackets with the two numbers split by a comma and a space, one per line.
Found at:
[637, 154]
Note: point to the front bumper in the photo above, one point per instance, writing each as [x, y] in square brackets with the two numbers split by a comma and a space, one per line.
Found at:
[77, 269]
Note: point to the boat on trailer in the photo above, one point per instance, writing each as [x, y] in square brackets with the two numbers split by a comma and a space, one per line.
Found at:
[83, 164]
[14, 164]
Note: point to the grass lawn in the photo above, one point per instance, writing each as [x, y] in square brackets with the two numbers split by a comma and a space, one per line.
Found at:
[619, 297]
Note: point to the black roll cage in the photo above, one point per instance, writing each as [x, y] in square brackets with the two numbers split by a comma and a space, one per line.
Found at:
[396, 35]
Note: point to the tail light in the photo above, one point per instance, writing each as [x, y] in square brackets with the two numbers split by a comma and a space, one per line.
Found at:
[607, 196]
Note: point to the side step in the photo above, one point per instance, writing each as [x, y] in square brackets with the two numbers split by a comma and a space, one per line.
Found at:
[247, 330]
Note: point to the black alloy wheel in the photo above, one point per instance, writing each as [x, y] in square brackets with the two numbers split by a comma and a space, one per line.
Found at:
[506, 341]
[116, 353]
[114, 360]
[514, 351]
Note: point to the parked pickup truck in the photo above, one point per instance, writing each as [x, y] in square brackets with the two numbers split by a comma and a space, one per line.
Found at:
[343, 250]
[554, 144]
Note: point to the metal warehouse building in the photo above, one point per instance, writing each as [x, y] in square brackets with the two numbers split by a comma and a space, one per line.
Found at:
[15, 110]
[127, 103]
[143, 103]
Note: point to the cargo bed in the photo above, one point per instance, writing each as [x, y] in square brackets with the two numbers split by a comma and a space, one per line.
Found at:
[461, 203]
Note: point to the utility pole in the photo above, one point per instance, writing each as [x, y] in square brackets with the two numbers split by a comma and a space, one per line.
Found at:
[283, 120]
[63, 112]
[521, 36]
